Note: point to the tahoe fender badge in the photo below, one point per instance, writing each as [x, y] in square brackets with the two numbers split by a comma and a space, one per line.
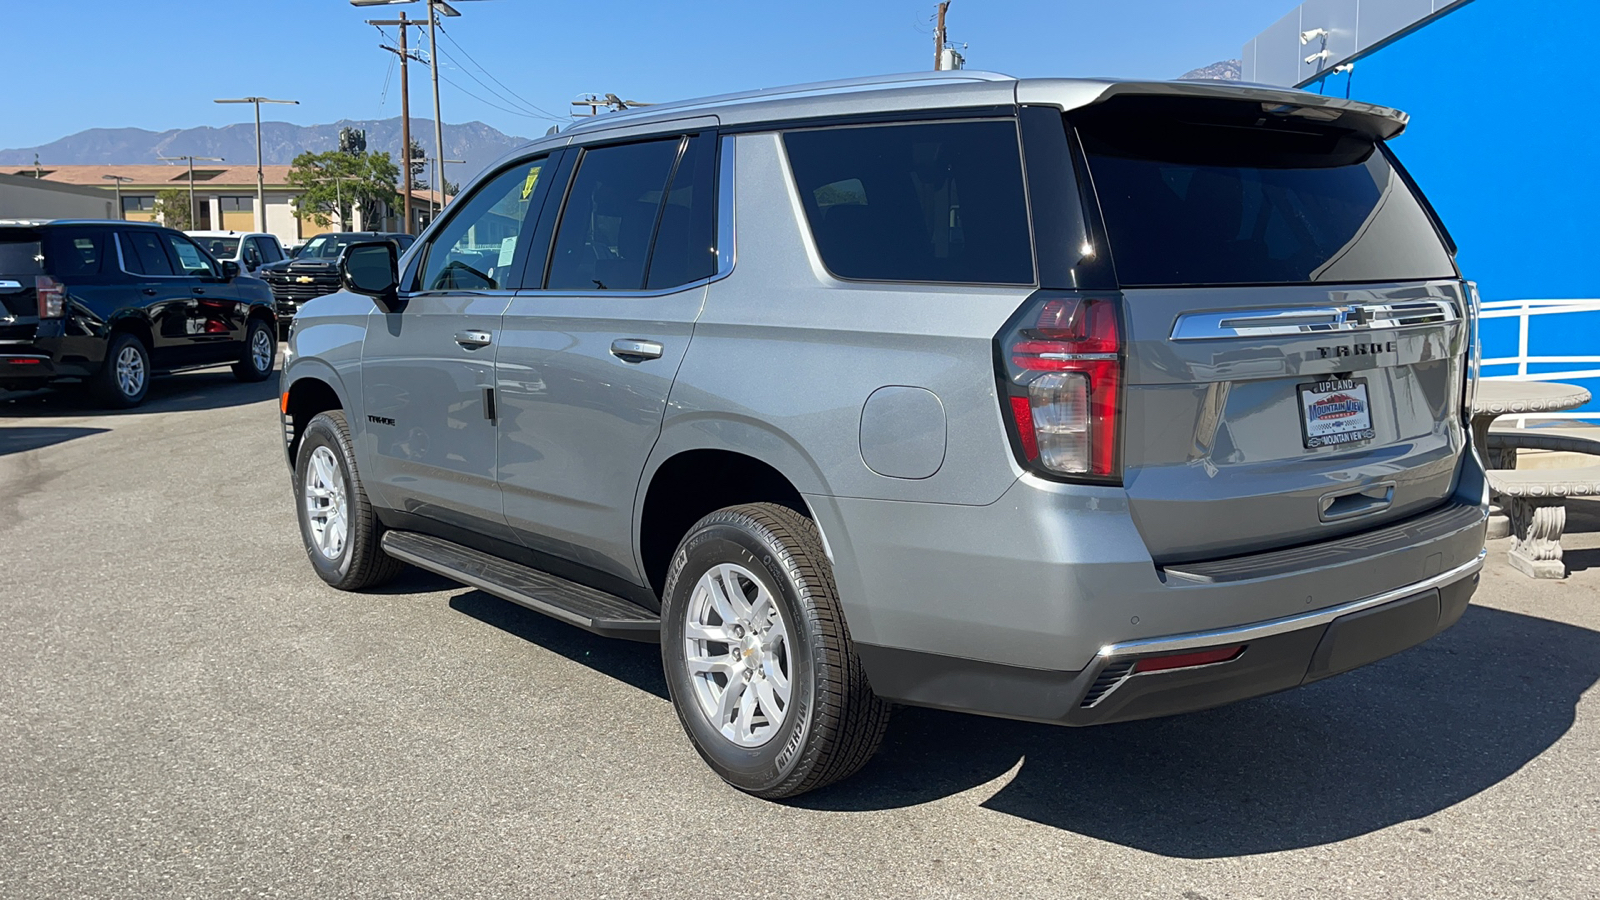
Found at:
[380, 420]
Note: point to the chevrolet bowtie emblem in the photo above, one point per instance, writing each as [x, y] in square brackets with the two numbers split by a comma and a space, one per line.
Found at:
[305, 279]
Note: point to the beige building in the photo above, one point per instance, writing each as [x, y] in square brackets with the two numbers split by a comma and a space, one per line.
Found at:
[224, 196]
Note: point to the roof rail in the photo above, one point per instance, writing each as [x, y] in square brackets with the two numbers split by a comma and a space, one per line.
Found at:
[816, 88]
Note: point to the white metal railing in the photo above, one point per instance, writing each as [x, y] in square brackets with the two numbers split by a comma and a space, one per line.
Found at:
[1585, 367]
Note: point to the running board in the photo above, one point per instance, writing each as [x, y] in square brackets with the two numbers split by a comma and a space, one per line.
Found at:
[590, 609]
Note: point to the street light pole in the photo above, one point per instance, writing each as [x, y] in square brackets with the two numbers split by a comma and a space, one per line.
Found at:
[192, 217]
[116, 184]
[261, 191]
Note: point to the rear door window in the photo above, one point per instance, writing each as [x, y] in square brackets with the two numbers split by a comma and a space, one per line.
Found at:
[938, 202]
[144, 254]
[1223, 194]
[270, 251]
[603, 239]
[75, 251]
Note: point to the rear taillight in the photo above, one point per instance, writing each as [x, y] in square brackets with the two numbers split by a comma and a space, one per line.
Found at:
[1061, 360]
[52, 296]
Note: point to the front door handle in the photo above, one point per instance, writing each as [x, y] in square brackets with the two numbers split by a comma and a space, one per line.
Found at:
[631, 350]
[472, 340]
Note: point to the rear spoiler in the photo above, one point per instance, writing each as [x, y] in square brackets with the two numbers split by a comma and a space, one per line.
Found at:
[1377, 122]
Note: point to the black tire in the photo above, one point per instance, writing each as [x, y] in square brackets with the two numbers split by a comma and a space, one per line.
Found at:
[247, 369]
[111, 390]
[833, 723]
[360, 562]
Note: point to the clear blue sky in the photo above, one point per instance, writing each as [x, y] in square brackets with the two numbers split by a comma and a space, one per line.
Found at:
[158, 64]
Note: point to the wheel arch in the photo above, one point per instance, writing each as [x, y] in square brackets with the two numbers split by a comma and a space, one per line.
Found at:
[304, 395]
[686, 483]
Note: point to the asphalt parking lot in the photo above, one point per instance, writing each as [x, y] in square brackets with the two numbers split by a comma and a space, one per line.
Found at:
[186, 711]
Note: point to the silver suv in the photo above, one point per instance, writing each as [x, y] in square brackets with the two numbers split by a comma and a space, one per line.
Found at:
[1060, 400]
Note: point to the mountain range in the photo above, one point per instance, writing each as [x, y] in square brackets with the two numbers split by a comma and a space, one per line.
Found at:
[476, 143]
[1226, 70]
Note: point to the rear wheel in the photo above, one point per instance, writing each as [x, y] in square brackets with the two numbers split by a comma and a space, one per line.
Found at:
[124, 378]
[336, 522]
[260, 352]
[758, 658]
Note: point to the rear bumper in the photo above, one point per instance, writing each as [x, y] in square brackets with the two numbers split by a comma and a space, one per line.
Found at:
[1275, 656]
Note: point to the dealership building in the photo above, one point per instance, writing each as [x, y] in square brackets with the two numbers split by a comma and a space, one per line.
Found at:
[1502, 139]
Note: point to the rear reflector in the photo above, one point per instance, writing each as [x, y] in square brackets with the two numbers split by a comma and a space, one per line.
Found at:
[1188, 660]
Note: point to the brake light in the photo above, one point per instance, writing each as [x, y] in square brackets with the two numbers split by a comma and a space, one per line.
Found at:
[52, 297]
[1473, 358]
[1063, 370]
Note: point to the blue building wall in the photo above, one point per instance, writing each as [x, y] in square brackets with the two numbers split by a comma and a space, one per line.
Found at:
[1505, 141]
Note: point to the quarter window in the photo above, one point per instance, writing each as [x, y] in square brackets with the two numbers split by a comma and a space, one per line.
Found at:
[940, 202]
[475, 249]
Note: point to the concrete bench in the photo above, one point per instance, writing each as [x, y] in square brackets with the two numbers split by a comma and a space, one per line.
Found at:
[1536, 502]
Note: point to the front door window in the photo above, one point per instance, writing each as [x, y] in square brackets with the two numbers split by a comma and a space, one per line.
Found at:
[476, 248]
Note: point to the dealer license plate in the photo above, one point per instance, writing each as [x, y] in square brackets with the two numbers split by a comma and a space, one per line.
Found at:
[1335, 412]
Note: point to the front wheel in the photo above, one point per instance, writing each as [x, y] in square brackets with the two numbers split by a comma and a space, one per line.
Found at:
[337, 523]
[260, 351]
[758, 659]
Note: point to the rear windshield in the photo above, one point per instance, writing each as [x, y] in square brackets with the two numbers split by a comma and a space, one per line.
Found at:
[220, 247]
[20, 253]
[1229, 194]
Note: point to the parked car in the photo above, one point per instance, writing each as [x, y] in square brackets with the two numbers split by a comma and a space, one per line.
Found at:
[314, 270]
[251, 250]
[112, 303]
[1072, 401]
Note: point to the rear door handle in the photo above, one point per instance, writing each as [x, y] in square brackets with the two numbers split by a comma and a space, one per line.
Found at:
[149, 292]
[199, 290]
[472, 340]
[630, 350]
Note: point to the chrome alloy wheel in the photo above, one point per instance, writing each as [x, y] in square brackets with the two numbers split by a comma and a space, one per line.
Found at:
[327, 510]
[261, 350]
[130, 371]
[737, 648]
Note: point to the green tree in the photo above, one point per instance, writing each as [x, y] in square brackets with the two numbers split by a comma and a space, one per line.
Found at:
[335, 183]
[419, 172]
[172, 209]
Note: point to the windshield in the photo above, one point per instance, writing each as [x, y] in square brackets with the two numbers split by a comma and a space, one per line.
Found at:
[325, 246]
[1204, 195]
[220, 247]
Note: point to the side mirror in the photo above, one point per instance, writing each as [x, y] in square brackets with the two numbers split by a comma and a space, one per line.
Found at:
[372, 268]
[230, 270]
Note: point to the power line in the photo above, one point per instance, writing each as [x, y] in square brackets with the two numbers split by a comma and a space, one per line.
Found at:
[485, 71]
[489, 103]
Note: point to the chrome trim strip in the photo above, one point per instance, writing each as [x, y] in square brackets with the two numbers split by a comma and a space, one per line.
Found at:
[1202, 326]
[1246, 633]
[7, 284]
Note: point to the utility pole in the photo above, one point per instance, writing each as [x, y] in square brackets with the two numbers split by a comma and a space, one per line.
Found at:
[404, 53]
[193, 219]
[436, 8]
[939, 38]
[261, 190]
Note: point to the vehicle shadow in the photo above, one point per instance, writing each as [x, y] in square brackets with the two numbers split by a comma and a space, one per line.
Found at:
[635, 664]
[1386, 744]
[184, 392]
[18, 439]
[1383, 745]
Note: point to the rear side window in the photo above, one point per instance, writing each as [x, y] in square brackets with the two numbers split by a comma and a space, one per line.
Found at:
[270, 251]
[144, 255]
[75, 252]
[1215, 194]
[939, 202]
[684, 248]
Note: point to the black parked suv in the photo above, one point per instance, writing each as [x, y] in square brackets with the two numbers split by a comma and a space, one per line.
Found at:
[314, 271]
[111, 303]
